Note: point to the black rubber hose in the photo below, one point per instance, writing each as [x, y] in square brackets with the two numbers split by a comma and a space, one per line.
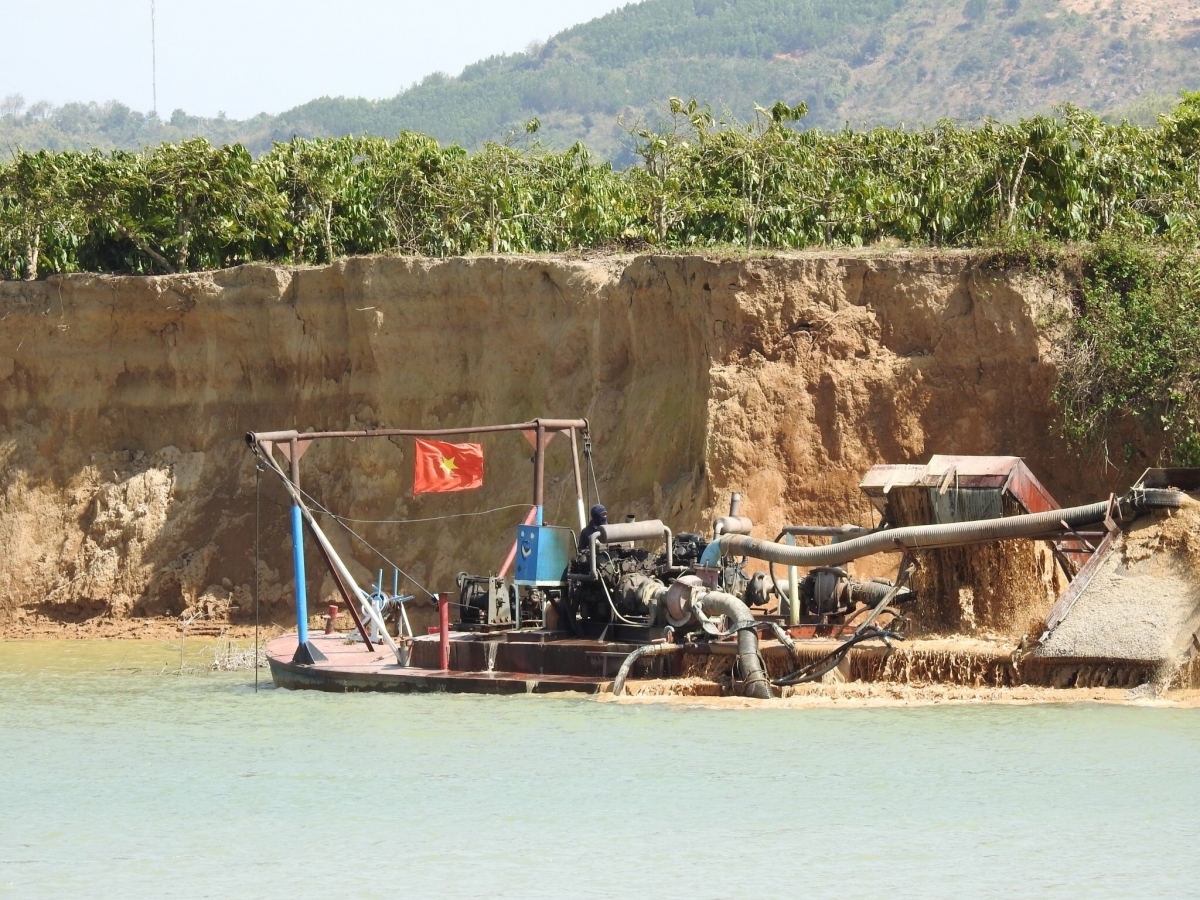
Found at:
[957, 534]
[869, 593]
[816, 670]
[640, 653]
[754, 676]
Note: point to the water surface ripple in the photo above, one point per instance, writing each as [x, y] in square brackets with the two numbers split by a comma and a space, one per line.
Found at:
[119, 781]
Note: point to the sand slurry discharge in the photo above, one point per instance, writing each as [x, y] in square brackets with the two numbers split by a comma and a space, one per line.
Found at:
[1143, 604]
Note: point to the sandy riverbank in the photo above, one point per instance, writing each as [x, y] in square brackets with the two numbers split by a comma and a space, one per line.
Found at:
[859, 694]
[121, 629]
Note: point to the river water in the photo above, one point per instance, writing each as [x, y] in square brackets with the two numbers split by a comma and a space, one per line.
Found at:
[121, 781]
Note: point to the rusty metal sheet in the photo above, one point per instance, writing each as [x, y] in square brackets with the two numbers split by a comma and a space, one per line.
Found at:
[968, 466]
[969, 471]
[881, 479]
[1025, 487]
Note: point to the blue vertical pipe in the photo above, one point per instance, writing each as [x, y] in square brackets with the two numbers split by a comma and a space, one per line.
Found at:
[301, 588]
[538, 520]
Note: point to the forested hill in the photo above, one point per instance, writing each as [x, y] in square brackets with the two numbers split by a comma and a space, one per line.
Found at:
[862, 61]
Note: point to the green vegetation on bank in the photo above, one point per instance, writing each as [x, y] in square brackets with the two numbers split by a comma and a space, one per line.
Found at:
[1130, 375]
[700, 183]
[872, 62]
[1131, 194]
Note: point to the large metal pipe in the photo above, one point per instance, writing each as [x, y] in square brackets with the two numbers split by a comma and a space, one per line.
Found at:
[579, 505]
[622, 532]
[553, 425]
[298, 550]
[732, 525]
[539, 473]
[957, 534]
[298, 568]
[870, 593]
[443, 602]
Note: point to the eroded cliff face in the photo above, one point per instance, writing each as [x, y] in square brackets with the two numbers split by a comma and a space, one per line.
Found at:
[126, 487]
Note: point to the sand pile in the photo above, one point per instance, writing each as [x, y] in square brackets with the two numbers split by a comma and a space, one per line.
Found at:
[1144, 602]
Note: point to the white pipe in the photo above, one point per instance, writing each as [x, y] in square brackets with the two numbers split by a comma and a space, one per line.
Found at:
[793, 589]
[367, 605]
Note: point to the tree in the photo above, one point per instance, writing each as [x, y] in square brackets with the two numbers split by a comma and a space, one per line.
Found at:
[12, 105]
[317, 179]
[34, 200]
[193, 189]
[666, 180]
[109, 190]
[975, 10]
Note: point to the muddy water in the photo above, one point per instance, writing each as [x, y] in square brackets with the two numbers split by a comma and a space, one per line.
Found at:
[119, 781]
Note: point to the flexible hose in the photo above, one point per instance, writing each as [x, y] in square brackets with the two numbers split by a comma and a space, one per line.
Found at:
[933, 537]
[639, 653]
[754, 677]
[816, 671]
[783, 637]
[870, 593]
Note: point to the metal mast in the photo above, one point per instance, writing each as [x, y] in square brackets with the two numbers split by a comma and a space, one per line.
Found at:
[153, 60]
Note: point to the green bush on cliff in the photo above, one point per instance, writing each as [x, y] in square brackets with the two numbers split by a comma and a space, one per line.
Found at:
[1130, 193]
[1134, 356]
[700, 182]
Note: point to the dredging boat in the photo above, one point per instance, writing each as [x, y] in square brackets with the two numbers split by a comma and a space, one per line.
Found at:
[594, 606]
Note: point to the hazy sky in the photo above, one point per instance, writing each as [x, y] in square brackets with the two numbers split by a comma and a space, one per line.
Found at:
[249, 56]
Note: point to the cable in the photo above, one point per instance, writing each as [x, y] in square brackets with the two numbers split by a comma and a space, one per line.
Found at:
[323, 508]
[380, 554]
[412, 521]
[587, 452]
[275, 468]
[257, 516]
[814, 671]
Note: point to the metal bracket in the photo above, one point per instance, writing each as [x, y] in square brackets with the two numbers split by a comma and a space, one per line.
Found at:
[286, 449]
[1079, 537]
[1109, 522]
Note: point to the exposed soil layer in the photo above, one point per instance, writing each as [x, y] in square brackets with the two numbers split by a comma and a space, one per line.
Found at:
[126, 489]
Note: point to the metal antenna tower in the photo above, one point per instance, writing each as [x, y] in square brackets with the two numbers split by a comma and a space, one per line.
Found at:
[153, 60]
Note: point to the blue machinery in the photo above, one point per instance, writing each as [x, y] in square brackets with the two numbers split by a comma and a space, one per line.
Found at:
[540, 548]
[543, 554]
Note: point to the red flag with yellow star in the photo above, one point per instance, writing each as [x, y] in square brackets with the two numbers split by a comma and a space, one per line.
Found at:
[447, 467]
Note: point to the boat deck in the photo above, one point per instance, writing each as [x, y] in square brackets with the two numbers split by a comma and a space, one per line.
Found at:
[538, 662]
[349, 666]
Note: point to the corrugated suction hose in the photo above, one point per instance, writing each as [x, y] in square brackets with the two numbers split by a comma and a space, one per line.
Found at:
[957, 534]
[754, 677]
[715, 603]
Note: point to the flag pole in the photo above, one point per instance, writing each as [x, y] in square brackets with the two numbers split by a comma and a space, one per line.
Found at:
[539, 474]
